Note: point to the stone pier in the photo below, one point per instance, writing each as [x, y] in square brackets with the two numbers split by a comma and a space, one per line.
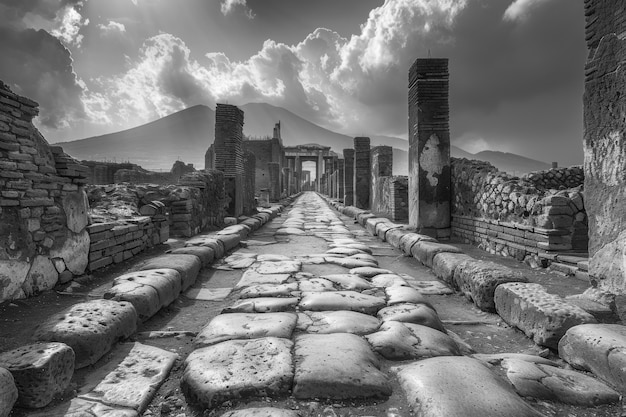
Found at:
[229, 156]
[340, 179]
[382, 166]
[348, 177]
[429, 147]
[362, 169]
[274, 172]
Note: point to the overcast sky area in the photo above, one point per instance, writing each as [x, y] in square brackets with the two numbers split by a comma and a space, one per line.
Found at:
[100, 66]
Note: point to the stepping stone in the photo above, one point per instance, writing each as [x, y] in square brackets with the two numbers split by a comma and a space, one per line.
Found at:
[188, 266]
[246, 326]
[230, 241]
[240, 260]
[166, 282]
[325, 322]
[252, 277]
[315, 285]
[279, 267]
[552, 383]
[290, 231]
[8, 392]
[131, 377]
[478, 281]
[207, 294]
[204, 253]
[341, 300]
[369, 272]
[541, 316]
[262, 412]
[598, 348]
[350, 262]
[401, 341]
[412, 313]
[238, 368]
[209, 242]
[428, 287]
[337, 366]
[272, 258]
[401, 295]
[425, 251]
[81, 408]
[457, 386]
[349, 281]
[343, 251]
[263, 305]
[270, 290]
[144, 298]
[445, 263]
[41, 371]
[90, 328]
[388, 280]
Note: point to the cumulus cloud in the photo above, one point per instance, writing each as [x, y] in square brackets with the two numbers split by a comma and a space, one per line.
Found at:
[519, 9]
[69, 22]
[228, 6]
[112, 28]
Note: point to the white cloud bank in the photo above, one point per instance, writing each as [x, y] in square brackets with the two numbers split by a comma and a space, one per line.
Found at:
[228, 6]
[520, 9]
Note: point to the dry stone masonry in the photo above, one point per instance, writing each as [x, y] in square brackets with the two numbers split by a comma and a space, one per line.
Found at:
[362, 169]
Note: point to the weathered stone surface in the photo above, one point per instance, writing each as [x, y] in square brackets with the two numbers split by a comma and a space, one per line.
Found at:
[341, 300]
[337, 366]
[541, 316]
[400, 295]
[364, 257]
[454, 386]
[209, 242]
[76, 209]
[270, 290]
[325, 322]
[352, 244]
[290, 231]
[369, 272]
[262, 412]
[428, 287]
[144, 298]
[608, 265]
[12, 276]
[350, 262]
[8, 392]
[388, 280]
[343, 251]
[278, 267]
[204, 253]
[208, 294]
[83, 408]
[408, 240]
[238, 368]
[315, 285]
[41, 276]
[230, 241]
[41, 371]
[236, 229]
[246, 326]
[269, 257]
[165, 281]
[394, 236]
[444, 264]
[598, 348]
[252, 277]
[425, 251]
[400, 341]
[263, 305]
[90, 328]
[478, 281]
[349, 281]
[74, 251]
[188, 266]
[412, 313]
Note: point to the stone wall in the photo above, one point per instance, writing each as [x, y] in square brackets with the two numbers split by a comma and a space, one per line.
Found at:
[43, 207]
[265, 151]
[394, 198]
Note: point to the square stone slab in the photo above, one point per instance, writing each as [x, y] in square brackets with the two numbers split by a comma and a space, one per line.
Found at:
[277, 267]
[246, 326]
[271, 290]
[341, 300]
[83, 408]
[337, 366]
[349, 281]
[236, 369]
[187, 265]
[326, 322]
[412, 313]
[207, 294]
[165, 281]
[252, 277]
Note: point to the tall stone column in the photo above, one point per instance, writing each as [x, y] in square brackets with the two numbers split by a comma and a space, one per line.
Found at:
[229, 154]
[298, 174]
[429, 147]
[362, 169]
[340, 179]
[274, 173]
[348, 177]
[382, 166]
[320, 172]
[287, 181]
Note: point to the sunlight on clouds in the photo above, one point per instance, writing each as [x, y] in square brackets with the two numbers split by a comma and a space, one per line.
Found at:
[519, 9]
[69, 24]
[112, 27]
[228, 6]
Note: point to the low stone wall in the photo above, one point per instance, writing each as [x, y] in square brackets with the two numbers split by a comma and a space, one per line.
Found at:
[392, 197]
[557, 178]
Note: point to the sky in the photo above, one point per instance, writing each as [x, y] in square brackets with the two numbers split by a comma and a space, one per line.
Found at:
[100, 66]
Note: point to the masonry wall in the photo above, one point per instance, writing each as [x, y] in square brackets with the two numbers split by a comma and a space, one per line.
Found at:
[43, 207]
[265, 151]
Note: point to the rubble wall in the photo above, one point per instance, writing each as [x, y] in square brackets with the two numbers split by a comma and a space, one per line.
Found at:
[394, 198]
[43, 206]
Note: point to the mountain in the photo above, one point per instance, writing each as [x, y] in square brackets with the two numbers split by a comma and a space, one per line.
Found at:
[512, 163]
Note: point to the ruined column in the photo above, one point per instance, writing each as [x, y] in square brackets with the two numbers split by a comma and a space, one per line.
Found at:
[288, 180]
[429, 147]
[298, 174]
[274, 173]
[320, 172]
[362, 168]
[228, 150]
[348, 177]
[382, 166]
[340, 179]
[249, 162]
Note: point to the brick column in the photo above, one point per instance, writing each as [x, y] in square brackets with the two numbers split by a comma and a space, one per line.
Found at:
[382, 166]
[348, 177]
[362, 169]
[429, 147]
[229, 153]
[340, 179]
[288, 181]
[249, 162]
[274, 173]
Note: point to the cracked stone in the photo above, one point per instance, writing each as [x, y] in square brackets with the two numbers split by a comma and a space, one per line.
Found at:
[246, 326]
[325, 322]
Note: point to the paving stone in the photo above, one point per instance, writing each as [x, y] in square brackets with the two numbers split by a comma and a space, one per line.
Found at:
[598, 348]
[270, 290]
[144, 298]
[236, 229]
[425, 251]
[497, 358]
[394, 236]
[204, 253]
[372, 222]
[262, 412]
[279, 267]
[342, 321]
[457, 386]
[428, 287]
[401, 341]
[263, 305]
[552, 383]
[412, 313]
[478, 281]
[343, 251]
[350, 262]
[383, 228]
[207, 294]
[400, 295]
[82, 408]
[349, 281]
[246, 326]
[41, 371]
[132, 376]
[8, 392]
[240, 260]
[337, 366]
[364, 257]
[409, 239]
[188, 266]
[272, 258]
[388, 280]
[209, 242]
[444, 264]
[90, 328]
[290, 231]
[229, 241]
[165, 281]
[238, 368]
[369, 272]
[315, 285]
[541, 316]
[353, 245]
[341, 300]
[252, 277]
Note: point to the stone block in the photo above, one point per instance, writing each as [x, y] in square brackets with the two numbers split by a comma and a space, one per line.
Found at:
[408, 240]
[90, 328]
[262, 412]
[188, 266]
[204, 253]
[478, 281]
[76, 209]
[425, 251]
[422, 314]
[541, 316]
[445, 263]
[246, 326]
[341, 300]
[230, 241]
[394, 236]
[8, 392]
[370, 224]
[42, 276]
[41, 371]
[210, 242]
[144, 298]
[342, 321]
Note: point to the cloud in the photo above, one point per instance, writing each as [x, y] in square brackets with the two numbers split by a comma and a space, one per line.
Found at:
[520, 9]
[228, 6]
[112, 28]
[69, 23]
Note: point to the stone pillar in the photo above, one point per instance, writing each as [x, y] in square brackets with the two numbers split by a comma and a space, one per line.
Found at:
[348, 177]
[320, 172]
[382, 166]
[362, 168]
[288, 181]
[209, 159]
[249, 162]
[228, 149]
[274, 172]
[298, 174]
[429, 148]
[604, 144]
[340, 179]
